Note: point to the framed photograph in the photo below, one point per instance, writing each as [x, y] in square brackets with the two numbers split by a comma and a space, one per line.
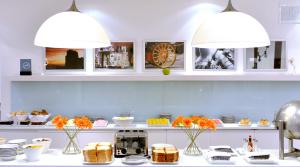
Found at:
[164, 54]
[269, 58]
[120, 56]
[63, 59]
[214, 59]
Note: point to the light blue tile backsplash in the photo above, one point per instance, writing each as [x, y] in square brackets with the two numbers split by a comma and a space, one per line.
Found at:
[147, 99]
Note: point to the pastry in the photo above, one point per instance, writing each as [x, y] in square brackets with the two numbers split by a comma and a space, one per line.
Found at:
[245, 121]
[264, 122]
[18, 113]
[42, 112]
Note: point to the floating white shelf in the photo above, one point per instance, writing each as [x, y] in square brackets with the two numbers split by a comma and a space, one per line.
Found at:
[135, 126]
[147, 77]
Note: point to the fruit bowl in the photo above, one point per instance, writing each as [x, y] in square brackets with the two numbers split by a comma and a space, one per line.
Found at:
[123, 121]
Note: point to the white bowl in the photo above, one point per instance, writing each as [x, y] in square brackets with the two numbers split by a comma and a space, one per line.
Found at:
[123, 121]
[46, 142]
[21, 117]
[39, 118]
[33, 151]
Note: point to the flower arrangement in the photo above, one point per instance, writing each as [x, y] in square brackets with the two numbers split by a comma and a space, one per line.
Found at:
[72, 127]
[193, 127]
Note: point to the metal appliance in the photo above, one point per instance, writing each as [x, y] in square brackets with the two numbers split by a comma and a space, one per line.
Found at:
[131, 142]
[287, 120]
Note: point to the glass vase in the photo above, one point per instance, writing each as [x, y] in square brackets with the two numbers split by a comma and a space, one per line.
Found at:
[193, 149]
[72, 146]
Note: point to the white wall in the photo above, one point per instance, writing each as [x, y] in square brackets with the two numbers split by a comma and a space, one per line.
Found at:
[136, 20]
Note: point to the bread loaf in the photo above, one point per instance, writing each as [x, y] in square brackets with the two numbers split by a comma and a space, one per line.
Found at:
[98, 152]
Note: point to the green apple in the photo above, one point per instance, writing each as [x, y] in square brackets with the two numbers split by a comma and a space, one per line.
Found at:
[166, 71]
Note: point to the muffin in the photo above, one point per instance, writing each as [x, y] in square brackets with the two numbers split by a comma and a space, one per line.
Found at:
[245, 122]
[264, 122]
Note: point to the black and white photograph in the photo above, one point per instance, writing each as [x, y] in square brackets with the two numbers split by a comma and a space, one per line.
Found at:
[118, 56]
[268, 58]
[214, 59]
[162, 54]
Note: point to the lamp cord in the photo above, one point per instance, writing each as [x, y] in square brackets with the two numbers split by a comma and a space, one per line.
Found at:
[73, 7]
[229, 7]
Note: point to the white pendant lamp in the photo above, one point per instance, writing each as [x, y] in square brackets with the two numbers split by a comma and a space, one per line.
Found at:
[231, 29]
[71, 29]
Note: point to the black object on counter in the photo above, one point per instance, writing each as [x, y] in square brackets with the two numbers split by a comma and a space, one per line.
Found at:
[6, 122]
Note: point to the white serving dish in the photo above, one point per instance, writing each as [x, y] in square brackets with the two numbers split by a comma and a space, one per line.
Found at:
[33, 154]
[271, 160]
[22, 117]
[39, 118]
[134, 160]
[213, 148]
[46, 142]
[103, 123]
[210, 154]
[123, 121]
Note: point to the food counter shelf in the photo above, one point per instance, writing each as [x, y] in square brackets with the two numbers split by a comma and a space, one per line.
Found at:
[136, 126]
[56, 159]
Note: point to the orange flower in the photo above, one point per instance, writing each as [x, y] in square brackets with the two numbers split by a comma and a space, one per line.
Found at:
[59, 121]
[56, 119]
[187, 122]
[195, 119]
[177, 121]
[83, 122]
[206, 123]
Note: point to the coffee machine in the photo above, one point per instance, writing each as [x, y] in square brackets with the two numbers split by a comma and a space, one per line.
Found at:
[131, 142]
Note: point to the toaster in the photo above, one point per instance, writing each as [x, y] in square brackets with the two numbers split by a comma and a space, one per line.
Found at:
[130, 142]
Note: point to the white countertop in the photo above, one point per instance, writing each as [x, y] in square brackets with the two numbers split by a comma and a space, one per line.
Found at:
[56, 159]
[136, 126]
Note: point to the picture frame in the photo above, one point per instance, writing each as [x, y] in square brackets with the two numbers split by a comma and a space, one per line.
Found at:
[56, 60]
[273, 58]
[104, 61]
[177, 64]
[214, 59]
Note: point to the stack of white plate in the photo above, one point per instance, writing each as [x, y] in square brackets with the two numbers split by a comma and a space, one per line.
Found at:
[228, 119]
[8, 152]
[20, 143]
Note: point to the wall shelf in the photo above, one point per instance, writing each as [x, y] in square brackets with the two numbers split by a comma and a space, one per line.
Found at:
[147, 77]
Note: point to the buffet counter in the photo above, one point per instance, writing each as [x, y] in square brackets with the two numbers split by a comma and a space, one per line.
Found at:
[56, 159]
[136, 126]
[229, 134]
